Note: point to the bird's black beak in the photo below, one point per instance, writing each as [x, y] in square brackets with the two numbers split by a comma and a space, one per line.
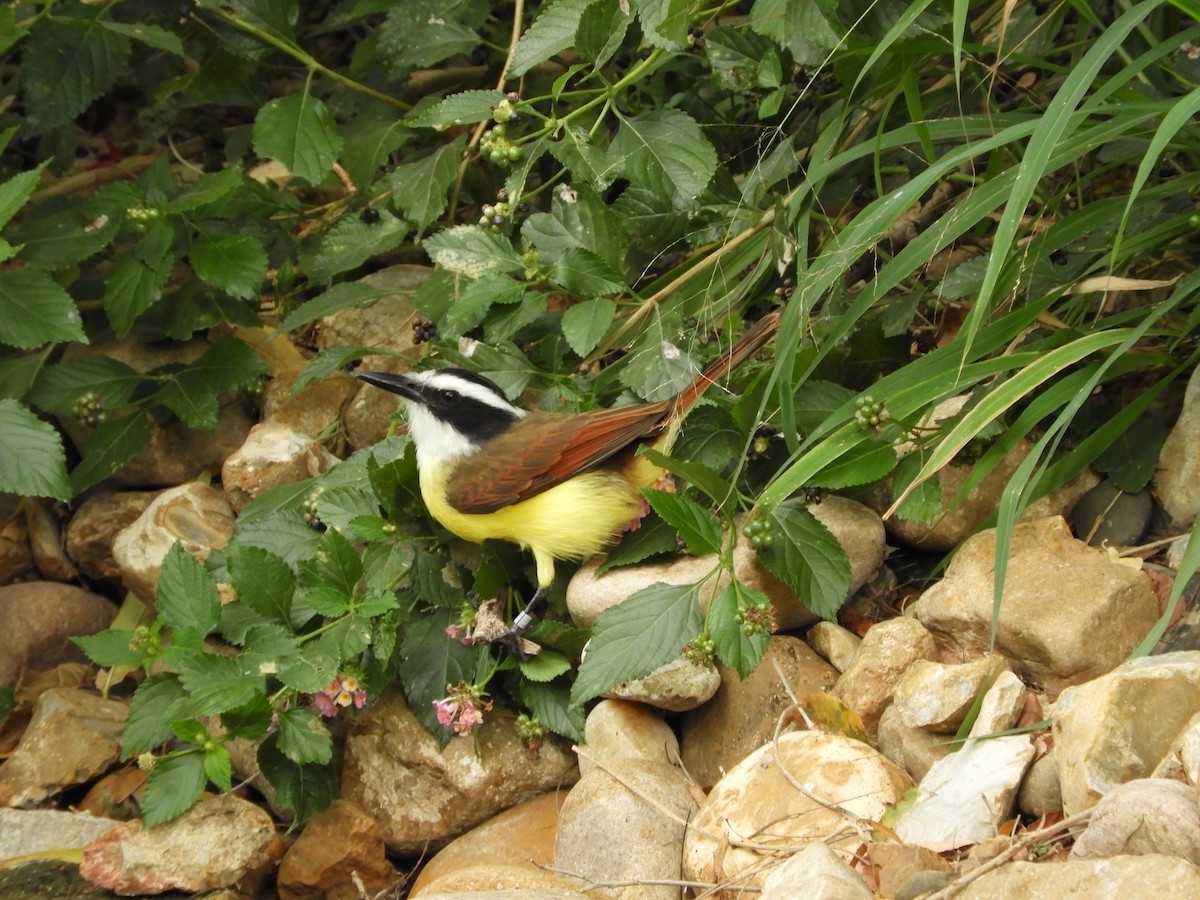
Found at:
[397, 384]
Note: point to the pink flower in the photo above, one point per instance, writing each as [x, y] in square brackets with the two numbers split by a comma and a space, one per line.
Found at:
[342, 692]
[463, 710]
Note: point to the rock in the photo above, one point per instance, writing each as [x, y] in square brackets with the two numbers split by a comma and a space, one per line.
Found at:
[497, 881]
[423, 796]
[73, 736]
[936, 696]
[896, 863]
[24, 832]
[1149, 815]
[1050, 639]
[37, 620]
[91, 531]
[45, 543]
[756, 800]
[959, 519]
[1118, 878]
[914, 749]
[1176, 550]
[626, 824]
[617, 730]
[519, 838]
[272, 455]
[676, 686]
[1108, 515]
[921, 884]
[1177, 480]
[1002, 706]
[1041, 791]
[834, 643]
[195, 515]
[115, 795]
[857, 529]
[1189, 755]
[965, 796]
[221, 842]
[338, 856]
[316, 410]
[815, 873]
[742, 715]
[1118, 727]
[886, 652]
[16, 556]
[176, 453]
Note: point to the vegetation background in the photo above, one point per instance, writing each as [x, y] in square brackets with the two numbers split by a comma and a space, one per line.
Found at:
[947, 197]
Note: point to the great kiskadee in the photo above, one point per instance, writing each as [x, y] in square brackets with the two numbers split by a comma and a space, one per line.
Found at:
[562, 485]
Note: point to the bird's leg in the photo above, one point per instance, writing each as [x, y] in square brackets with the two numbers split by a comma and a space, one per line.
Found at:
[523, 621]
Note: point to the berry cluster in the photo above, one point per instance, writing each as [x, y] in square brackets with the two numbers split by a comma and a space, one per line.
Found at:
[531, 731]
[89, 409]
[701, 650]
[695, 39]
[496, 146]
[494, 214]
[140, 217]
[309, 510]
[786, 289]
[757, 618]
[504, 111]
[423, 331]
[758, 532]
[871, 413]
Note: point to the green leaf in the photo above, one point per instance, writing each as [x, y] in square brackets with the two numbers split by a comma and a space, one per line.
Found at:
[35, 311]
[150, 35]
[327, 601]
[472, 251]
[546, 666]
[1131, 460]
[209, 188]
[478, 296]
[234, 263]
[740, 651]
[299, 131]
[15, 192]
[351, 242]
[583, 272]
[137, 279]
[420, 188]
[112, 647]
[263, 581]
[458, 109]
[344, 295]
[218, 767]
[147, 725]
[664, 22]
[218, 696]
[60, 385]
[174, 786]
[552, 31]
[807, 558]
[584, 324]
[193, 393]
[32, 460]
[10, 34]
[808, 28]
[869, 461]
[634, 638]
[335, 565]
[327, 361]
[427, 660]
[303, 737]
[658, 368]
[551, 704]
[665, 152]
[652, 538]
[706, 479]
[697, 526]
[185, 594]
[111, 446]
[419, 33]
[601, 31]
[338, 506]
[305, 789]
[66, 64]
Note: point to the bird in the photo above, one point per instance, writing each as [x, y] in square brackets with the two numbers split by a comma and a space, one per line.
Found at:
[563, 486]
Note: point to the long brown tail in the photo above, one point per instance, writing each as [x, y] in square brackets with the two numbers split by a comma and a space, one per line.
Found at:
[752, 341]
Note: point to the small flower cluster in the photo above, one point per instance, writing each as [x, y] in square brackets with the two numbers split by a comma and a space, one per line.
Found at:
[757, 618]
[89, 409]
[463, 709]
[344, 691]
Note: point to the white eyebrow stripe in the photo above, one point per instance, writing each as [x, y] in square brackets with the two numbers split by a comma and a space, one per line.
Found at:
[439, 380]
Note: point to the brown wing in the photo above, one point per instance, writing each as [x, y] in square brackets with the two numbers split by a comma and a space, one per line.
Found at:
[545, 449]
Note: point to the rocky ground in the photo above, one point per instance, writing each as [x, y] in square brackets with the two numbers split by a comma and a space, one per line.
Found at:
[841, 768]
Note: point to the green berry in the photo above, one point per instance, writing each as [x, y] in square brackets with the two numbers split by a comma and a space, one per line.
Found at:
[514, 153]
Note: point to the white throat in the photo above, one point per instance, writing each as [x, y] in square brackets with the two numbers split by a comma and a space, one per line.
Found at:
[437, 442]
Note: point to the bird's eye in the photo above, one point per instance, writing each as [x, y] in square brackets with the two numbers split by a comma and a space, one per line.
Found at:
[449, 396]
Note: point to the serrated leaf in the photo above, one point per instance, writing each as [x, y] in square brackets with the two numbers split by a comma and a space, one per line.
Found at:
[552, 31]
[263, 581]
[420, 188]
[658, 368]
[218, 696]
[869, 461]
[35, 311]
[338, 506]
[299, 131]
[462, 108]
[174, 786]
[740, 651]
[32, 460]
[304, 789]
[137, 279]
[335, 565]
[185, 594]
[665, 152]
[701, 476]
[472, 251]
[193, 393]
[1132, 459]
[478, 296]
[427, 660]
[327, 601]
[112, 647]
[419, 33]
[664, 22]
[697, 526]
[546, 666]
[59, 386]
[285, 534]
[110, 446]
[351, 242]
[808, 28]
[584, 324]
[807, 558]
[218, 767]
[303, 737]
[601, 30]
[10, 34]
[309, 673]
[327, 361]
[924, 502]
[234, 263]
[15, 191]
[344, 295]
[551, 704]
[66, 65]
[147, 724]
[583, 272]
[209, 188]
[150, 35]
[651, 538]
[635, 637]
